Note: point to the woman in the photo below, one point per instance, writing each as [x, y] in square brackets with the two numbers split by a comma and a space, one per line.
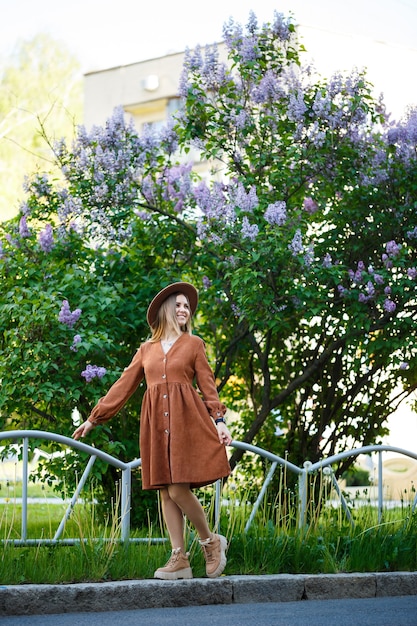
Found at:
[182, 434]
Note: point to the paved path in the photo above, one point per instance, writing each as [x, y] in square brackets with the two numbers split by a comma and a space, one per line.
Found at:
[398, 611]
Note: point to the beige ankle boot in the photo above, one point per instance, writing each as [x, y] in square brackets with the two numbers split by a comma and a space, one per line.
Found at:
[214, 550]
[178, 566]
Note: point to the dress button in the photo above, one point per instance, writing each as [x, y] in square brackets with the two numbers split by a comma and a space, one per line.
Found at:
[166, 431]
[166, 413]
[164, 376]
[165, 395]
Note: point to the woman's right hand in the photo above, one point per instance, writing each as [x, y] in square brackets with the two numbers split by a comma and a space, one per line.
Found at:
[83, 430]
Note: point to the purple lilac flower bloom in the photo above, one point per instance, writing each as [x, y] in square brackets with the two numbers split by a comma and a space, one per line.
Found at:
[169, 137]
[404, 365]
[392, 249]
[296, 246]
[66, 316]
[209, 70]
[359, 272]
[378, 279]
[239, 119]
[296, 106]
[93, 371]
[252, 24]
[310, 205]
[394, 135]
[412, 234]
[183, 82]
[249, 231]
[245, 200]
[24, 208]
[196, 58]
[370, 289]
[212, 202]
[23, 227]
[206, 282]
[76, 228]
[412, 272]
[69, 206]
[281, 26]
[322, 104]
[327, 261]
[276, 213]
[341, 290]
[248, 48]
[236, 311]
[232, 33]
[386, 260]
[387, 291]
[411, 126]
[143, 215]
[269, 89]
[356, 276]
[148, 190]
[75, 342]
[40, 185]
[46, 238]
[175, 184]
[309, 255]
[202, 229]
[363, 298]
[389, 306]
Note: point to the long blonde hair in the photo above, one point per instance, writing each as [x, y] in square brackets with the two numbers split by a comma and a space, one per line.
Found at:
[166, 322]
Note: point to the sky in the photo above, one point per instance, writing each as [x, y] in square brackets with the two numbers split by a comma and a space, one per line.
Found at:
[106, 33]
[380, 35]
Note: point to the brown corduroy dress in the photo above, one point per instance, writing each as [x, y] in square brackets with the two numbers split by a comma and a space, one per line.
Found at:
[178, 437]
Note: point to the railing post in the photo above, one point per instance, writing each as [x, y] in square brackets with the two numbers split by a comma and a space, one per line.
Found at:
[217, 504]
[25, 476]
[341, 496]
[380, 487]
[126, 502]
[261, 495]
[74, 498]
[302, 494]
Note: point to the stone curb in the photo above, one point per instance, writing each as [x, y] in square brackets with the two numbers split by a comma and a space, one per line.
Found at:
[145, 594]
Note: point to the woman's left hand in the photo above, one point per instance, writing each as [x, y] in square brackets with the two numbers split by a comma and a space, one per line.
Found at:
[225, 437]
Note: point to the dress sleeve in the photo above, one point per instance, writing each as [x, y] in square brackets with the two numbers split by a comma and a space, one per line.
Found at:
[207, 384]
[120, 392]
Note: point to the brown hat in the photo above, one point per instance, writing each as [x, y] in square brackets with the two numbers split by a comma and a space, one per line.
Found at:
[186, 288]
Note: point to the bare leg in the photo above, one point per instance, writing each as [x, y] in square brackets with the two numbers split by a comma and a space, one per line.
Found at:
[174, 520]
[178, 500]
[181, 495]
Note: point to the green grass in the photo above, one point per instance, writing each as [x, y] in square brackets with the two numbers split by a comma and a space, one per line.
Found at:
[13, 489]
[274, 544]
[43, 520]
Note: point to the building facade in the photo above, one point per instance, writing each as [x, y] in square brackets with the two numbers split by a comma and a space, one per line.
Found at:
[147, 90]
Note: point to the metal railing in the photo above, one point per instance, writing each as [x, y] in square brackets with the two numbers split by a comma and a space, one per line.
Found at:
[303, 473]
[324, 465]
[94, 453]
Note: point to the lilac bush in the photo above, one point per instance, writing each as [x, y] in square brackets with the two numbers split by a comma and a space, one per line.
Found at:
[301, 238]
[321, 270]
